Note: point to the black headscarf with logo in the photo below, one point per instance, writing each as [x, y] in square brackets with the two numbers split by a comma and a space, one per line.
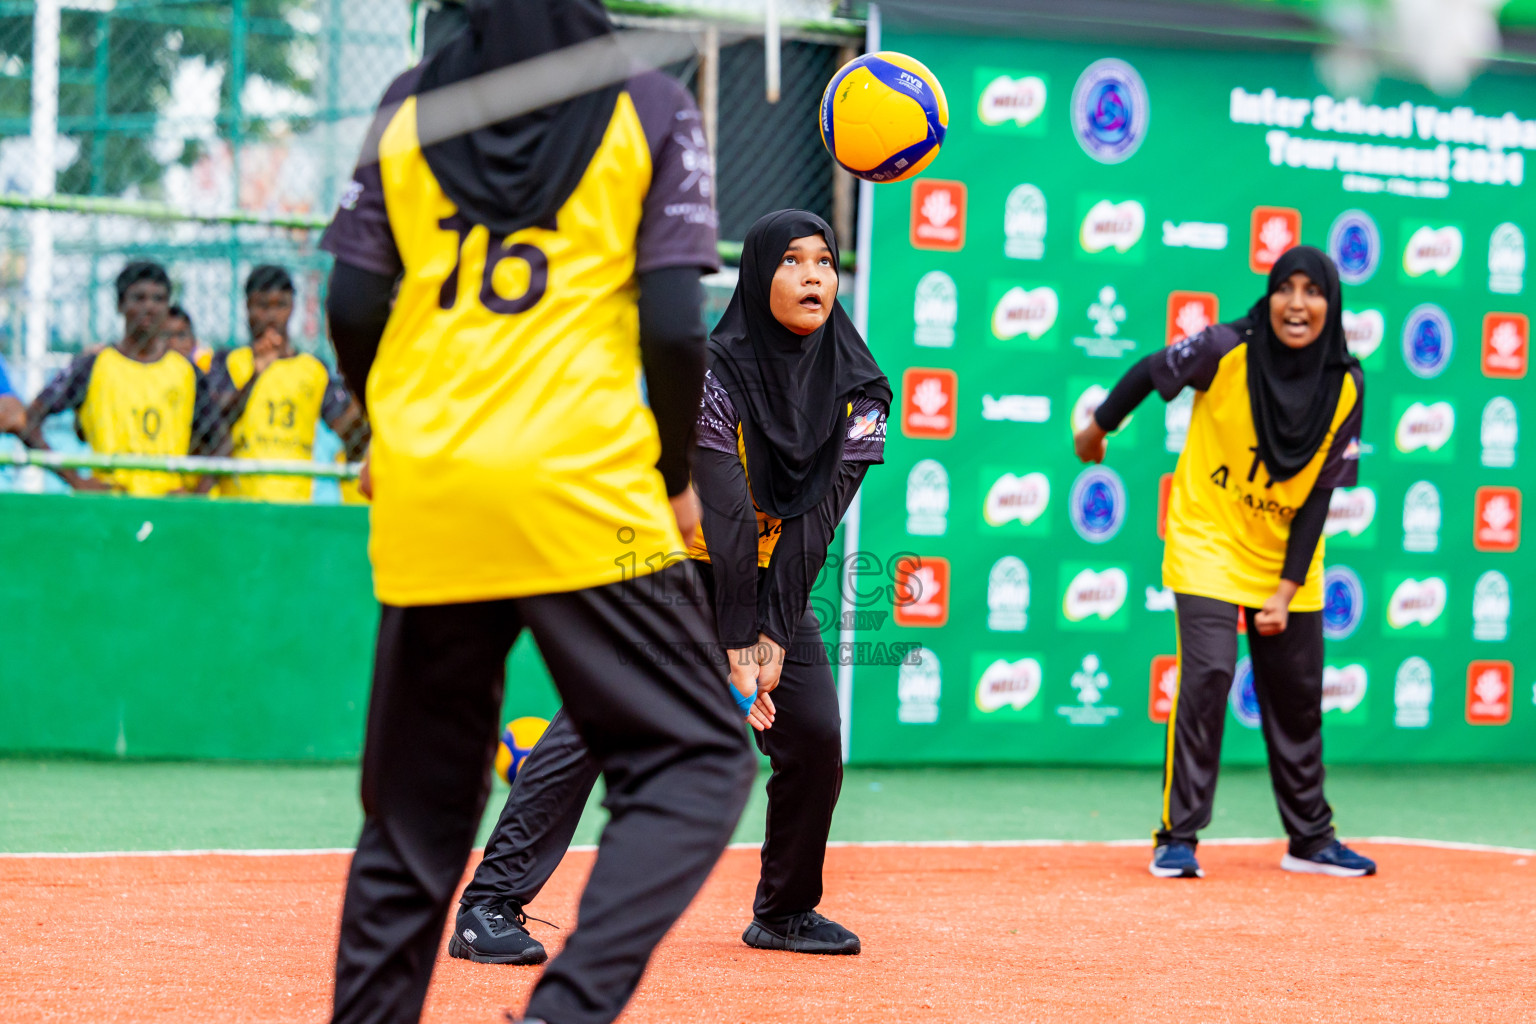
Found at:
[1294, 393]
[518, 172]
[791, 392]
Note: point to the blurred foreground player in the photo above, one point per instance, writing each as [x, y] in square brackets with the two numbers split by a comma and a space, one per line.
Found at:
[519, 481]
[1276, 427]
[793, 417]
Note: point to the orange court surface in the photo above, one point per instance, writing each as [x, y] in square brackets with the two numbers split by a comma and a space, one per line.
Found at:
[982, 933]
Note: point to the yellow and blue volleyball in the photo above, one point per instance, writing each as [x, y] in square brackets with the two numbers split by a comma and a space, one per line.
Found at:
[517, 741]
[883, 116]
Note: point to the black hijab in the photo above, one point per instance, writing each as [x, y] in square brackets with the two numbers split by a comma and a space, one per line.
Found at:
[790, 392]
[519, 172]
[1294, 393]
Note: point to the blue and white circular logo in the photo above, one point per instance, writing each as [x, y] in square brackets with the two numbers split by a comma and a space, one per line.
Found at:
[1098, 504]
[1343, 602]
[1355, 245]
[1427, 340]
[1110, 110]
[1243, 699]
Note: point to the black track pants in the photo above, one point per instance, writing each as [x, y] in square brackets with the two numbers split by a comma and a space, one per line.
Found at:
[1288, 678]
[666, 737]
[804, 748]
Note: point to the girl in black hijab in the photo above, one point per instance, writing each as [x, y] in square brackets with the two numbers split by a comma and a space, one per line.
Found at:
[1275, 428]
[793, 415]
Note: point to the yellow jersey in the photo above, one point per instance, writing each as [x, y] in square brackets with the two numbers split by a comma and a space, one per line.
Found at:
[277, 414]
[1228, 523]
[512, 452]
[126, 407]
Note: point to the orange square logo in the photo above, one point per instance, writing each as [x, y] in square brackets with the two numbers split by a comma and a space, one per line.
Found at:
[929, 399]
[1490, 692]
[1275, 229]
[1189, 313]
[922, 591]
[1165, 684]
[1164, 492]
[1496, 526]
[1506, 345]
[938, 215]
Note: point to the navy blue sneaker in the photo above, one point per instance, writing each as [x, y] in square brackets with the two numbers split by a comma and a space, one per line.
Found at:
[1175, 860]
[1335, 859]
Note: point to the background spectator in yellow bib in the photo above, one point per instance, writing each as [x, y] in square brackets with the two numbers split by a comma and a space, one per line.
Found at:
[275, 396]
[136, 397]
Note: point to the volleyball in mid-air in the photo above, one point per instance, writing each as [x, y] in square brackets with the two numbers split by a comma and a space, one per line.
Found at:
[883, 116]
[517, 741]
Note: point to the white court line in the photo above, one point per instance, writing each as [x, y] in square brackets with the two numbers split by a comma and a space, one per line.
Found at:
[930, 844]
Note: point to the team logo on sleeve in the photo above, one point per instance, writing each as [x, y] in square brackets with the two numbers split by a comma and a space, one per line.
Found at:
[1490, 607]
[935, 308]
[1343, 602]
[1413, 694]
[1243, 698]
[1110, 111]
[1506, 345]
[1500, 432]
[1427, 340]
[1355, 245]
[919, 685]
[1098, 504]
[1490, 692]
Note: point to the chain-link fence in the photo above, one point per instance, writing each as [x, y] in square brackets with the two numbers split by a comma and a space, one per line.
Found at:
[215, 137]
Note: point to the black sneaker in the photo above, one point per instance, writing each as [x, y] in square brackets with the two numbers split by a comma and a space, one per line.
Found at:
[804, 933]
[495, 935]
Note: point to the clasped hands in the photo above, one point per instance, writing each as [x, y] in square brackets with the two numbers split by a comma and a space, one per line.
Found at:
[756, 670]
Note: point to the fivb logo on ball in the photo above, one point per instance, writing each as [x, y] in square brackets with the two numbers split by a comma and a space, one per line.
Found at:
[1097, 505]
[1432, 255]
[1343, 602]
[1355, 245]
[1110, 111]
[1428, 341]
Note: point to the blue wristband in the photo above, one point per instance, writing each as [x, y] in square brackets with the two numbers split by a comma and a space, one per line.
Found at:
[743, 701]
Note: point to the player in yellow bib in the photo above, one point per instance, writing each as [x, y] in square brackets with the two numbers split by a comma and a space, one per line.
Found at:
[275, 396]
[538, 266]
[137, 397]
[1279, 402]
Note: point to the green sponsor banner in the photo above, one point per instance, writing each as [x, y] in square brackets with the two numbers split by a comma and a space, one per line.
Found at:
[1150, 193]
